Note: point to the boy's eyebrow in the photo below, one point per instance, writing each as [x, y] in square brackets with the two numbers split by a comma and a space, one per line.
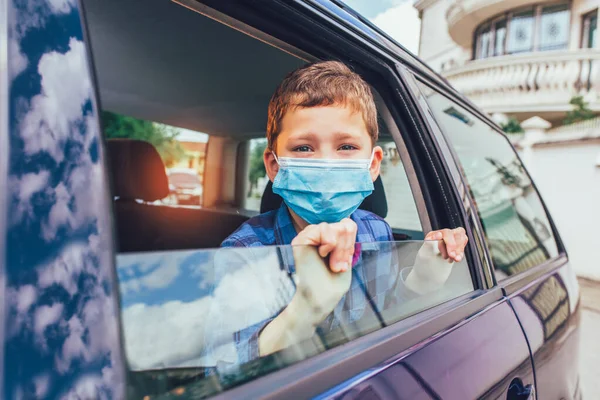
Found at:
[309, 136]
[303, 136]
[345, 135]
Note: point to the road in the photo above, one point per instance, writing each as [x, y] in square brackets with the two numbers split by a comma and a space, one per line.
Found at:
[589, 356]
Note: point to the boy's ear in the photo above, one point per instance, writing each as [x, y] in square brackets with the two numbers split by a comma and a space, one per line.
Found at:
[270, 164]
[376, 163]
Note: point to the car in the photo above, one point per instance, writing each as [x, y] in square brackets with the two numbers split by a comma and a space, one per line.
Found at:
[185, 186]
[109, 294]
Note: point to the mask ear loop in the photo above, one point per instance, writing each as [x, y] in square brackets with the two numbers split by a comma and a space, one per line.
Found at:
[371, 159]
[276, 159]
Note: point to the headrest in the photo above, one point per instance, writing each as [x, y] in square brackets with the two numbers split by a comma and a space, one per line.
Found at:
[137, 170]
[375, 202]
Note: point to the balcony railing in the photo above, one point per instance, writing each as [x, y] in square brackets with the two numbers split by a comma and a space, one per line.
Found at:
[531, 82]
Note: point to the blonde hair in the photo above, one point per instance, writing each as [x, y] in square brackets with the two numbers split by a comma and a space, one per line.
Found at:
[323, 83]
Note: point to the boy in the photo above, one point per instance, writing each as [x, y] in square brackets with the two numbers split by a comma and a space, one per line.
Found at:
[322, 159]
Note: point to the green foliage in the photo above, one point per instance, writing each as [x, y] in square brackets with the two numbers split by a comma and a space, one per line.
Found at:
[162, 137]
[512, 126]
[580, 111]
[257, 166]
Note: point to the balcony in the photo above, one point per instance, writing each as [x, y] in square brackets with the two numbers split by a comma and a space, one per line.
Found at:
[463, 16]
[532, 83]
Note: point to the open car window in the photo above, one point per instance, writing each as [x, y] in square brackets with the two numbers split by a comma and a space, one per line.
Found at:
[190, 317]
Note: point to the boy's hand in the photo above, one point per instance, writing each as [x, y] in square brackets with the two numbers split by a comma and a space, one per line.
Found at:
[452, 243]
[319, 287]
[336, 240]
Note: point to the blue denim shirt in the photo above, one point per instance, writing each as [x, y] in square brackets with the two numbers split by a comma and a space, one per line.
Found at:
[378, 277]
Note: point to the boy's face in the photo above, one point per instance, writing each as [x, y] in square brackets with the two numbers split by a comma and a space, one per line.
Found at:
[324, 132]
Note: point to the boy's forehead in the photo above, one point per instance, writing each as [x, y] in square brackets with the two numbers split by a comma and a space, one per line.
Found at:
[323, 120]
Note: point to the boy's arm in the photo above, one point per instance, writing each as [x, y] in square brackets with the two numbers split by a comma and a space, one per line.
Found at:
[319, 285]
[434, 260]
[318, 291]
[235, 319]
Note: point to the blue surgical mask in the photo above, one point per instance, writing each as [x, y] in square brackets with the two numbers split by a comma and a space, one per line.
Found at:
[323, 190]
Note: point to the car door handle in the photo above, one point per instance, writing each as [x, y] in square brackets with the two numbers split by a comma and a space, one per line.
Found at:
[518, 391]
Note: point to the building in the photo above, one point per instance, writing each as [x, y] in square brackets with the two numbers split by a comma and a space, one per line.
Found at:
[515, 57]
[527, 59]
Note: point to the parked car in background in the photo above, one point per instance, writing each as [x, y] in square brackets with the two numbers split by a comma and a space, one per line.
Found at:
[185, 186]
[107, 294]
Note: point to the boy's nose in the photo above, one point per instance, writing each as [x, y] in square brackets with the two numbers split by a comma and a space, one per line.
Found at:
[328, 153]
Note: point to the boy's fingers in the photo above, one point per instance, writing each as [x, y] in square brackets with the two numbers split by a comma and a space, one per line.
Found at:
[434, 235]
[340, 258]
[336, 240]
[450, 242]
[443, 250]
[461, 238]
[329, 240]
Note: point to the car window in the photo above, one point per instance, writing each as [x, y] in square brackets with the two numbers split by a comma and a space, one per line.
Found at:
[257, 174]
[182, 151]
[518, 233]
[192, 320]
[402, 214]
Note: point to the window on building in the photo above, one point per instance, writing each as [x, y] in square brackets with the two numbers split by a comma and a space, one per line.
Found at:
[554, 28]
[520, 35]
[590, 25]
[500, 37]
[537, 28]
[484, 42]
[518, 232]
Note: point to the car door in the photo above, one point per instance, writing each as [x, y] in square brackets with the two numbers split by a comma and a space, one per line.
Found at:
[529, 260]
[60, 330]
[462, 342]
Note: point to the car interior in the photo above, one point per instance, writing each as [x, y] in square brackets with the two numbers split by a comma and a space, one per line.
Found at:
[170, 71]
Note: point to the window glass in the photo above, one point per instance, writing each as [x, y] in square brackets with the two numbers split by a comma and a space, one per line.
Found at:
[500, 39]
[485, 37]
[590, 24]
[592, 37]
[517, 229]
[192, 320]
[402, 214]
[257, 174]
[183, 153]
[520, 37]
[515, 33]
[554, 28]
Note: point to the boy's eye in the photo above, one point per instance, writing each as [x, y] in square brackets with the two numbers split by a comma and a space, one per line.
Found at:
[302, 149]
[346, 147]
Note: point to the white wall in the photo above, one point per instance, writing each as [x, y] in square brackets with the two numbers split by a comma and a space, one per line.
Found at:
[436, 46]
[569, 182]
